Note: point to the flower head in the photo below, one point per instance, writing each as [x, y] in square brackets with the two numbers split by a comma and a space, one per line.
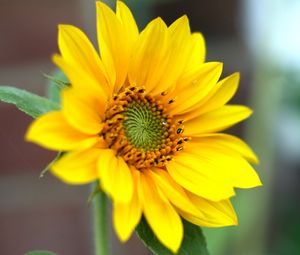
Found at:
[144, 117]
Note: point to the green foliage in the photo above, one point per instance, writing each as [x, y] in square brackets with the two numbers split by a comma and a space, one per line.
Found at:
[95, 190]
[57, 81]
[193, 242]
[40, 253]
[48, 167]
[27, 102]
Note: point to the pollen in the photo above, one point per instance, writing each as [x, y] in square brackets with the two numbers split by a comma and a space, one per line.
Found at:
[139, 129]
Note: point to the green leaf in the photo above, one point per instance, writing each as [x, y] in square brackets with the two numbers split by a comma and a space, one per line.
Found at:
[193, 242]
[27, 102]
[95, 190]
[40, 253]
[57, 81]
[47, 168]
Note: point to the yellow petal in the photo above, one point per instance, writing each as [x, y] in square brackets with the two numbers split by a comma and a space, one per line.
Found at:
[82, 80]
[180, 26]
[180, 38]
[84, 112]
[174, 192]
[106, 161]
[199, 179]
[129, 25]
[225, 142]
[217, 120]
[126, 216]
[53, 132]
[160, 214]
[194, 86]
[117, 33]
[221, 94]
[197, 51]
[221, 163]
[150, 59]
[77, 50]
[108, 31]
[226, 89]
[215, 214]
[116, 177]
[129, 38]
[78, 167]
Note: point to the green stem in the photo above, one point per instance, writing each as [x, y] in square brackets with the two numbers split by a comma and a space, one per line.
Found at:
[100, 223]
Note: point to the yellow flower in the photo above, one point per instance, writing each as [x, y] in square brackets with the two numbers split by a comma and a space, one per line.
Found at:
[144, 117]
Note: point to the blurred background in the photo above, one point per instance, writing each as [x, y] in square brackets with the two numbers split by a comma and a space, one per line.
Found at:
[259, 38]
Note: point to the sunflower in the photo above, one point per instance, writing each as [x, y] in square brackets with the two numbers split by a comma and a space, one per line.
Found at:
[144, 117]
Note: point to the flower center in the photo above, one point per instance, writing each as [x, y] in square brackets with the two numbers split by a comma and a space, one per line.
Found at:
[145, 125]
[139, 129]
